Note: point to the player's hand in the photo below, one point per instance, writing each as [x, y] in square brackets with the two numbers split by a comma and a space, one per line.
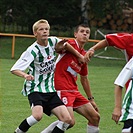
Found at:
[28, 77]
[60, 46]
[116, 114]
[62, 41]
[94, 105]
[88, 55]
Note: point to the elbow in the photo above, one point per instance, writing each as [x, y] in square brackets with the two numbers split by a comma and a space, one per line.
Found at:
[12, 71]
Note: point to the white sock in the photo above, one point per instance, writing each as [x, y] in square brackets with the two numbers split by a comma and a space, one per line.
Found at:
[62, 125]
[126, 130]
[31, 120]
[92, 129]
[50, 128]
[19, 131]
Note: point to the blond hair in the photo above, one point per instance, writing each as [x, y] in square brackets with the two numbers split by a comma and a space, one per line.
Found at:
[35, 25]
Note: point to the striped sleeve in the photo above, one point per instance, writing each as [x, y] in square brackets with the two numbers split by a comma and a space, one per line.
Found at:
[24, 61]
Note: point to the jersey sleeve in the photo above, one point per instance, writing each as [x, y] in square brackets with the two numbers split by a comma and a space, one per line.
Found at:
[119, 40]
[23, 62]
[125, 74]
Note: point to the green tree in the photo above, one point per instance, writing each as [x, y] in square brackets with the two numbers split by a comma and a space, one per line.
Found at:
[59, 12]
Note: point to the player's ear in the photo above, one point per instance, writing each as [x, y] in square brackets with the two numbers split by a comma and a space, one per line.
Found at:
[75, 34]
[35, 34]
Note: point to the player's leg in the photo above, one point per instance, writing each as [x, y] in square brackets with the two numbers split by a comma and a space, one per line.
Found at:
[37, 112]
[50, 128]
[84, 108]
[57, 108]
[64, 118]
[66, 101]
[54, 124]
[91, 115]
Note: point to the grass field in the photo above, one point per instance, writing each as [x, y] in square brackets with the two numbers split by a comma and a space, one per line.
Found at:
[14, 107]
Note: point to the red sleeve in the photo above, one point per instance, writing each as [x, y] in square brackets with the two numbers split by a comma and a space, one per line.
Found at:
[72, 42]
[119, 40]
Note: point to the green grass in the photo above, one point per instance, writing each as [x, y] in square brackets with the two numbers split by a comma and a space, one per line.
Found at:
[14, 107]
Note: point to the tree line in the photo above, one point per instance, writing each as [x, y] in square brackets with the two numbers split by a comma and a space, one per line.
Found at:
[64, 13]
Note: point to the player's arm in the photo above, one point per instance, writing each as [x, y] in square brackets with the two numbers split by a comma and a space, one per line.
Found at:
[86, 86]
[63, 46]
[118, 104]
[120, 82]
[22, 74]
[21, 65]
[99, 45]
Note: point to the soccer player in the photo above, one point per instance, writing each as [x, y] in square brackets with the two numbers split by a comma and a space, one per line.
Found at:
[67, 69]
[123, 41]
[39, 58]
[127, 110]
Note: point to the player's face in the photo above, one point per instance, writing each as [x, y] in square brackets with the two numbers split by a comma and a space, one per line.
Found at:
[83, 34]
[42, 31]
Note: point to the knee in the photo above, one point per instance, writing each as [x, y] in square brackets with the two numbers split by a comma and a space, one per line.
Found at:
[95, 120]
[97, 117]
[72, 124]
[38, 116]
[37, 112]
[68, 120]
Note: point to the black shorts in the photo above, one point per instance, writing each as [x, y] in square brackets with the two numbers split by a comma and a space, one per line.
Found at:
[128, 123]
[47, 100]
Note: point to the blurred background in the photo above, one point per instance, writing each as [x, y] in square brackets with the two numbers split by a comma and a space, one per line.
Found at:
[107, 16]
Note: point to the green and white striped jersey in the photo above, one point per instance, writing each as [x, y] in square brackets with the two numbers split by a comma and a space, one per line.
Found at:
[40, 61]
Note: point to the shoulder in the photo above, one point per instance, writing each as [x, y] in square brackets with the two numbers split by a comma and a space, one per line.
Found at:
[71, 41]
[33, 49]
[54, 39]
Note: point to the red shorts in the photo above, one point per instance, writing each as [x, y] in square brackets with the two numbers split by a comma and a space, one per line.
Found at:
[72, 98]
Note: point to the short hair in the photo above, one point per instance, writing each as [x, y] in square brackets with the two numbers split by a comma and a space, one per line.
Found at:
[81, 25]
[35, 25]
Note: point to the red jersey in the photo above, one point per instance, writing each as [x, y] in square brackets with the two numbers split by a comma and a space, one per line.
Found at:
[122, 41]
[67, 68]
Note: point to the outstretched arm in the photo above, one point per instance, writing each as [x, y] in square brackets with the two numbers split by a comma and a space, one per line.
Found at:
[99, 45]
[63, 46]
